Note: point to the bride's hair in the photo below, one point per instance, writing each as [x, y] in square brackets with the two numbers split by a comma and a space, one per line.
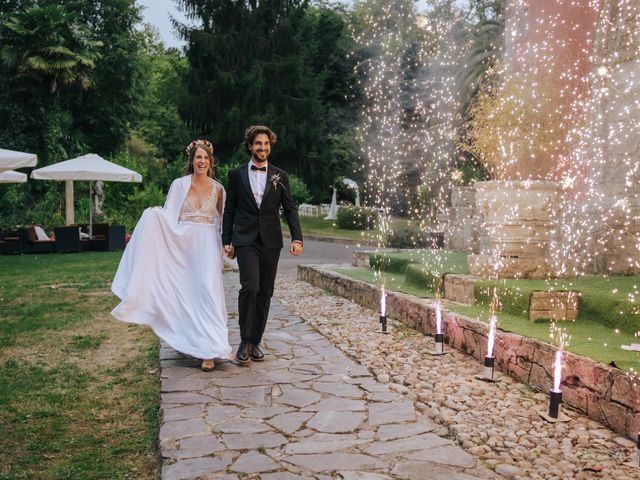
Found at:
[191, 150]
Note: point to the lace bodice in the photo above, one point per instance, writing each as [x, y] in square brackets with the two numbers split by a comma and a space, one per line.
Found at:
[205, 214]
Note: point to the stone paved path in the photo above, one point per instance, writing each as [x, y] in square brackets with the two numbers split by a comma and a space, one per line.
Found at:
[307, 412]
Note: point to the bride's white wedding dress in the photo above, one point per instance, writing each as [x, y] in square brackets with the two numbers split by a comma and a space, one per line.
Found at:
[170, 275]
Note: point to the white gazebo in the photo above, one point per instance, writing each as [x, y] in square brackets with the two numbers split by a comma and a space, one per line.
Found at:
[89, 167]
[10, 160]
[12, 177]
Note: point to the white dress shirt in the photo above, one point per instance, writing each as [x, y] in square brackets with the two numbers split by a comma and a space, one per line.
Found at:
[258, 182]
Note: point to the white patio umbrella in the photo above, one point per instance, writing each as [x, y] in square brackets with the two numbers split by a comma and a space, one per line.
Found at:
[12, 177]
[89, 167]
[10, 160]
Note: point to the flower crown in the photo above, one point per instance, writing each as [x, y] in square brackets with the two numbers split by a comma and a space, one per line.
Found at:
[206, 144]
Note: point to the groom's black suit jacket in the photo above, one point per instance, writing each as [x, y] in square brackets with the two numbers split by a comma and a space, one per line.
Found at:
[242, 220]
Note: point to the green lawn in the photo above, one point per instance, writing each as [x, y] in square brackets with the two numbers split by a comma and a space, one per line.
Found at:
[327, 228]
[421, 268]
[609, 309]
[78, 390]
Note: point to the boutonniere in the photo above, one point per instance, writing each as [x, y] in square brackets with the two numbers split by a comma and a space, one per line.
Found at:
[275, 180]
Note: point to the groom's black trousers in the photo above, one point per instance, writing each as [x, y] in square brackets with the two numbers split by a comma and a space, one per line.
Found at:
[257, 265]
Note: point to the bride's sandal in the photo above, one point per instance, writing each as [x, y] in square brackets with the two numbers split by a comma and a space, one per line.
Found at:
[208, 365]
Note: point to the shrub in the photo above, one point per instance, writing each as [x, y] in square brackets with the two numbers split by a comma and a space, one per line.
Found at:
[299, 190]
[413, 238]
[129, 213]
[357, 218]
[387, 263]
[424, 277]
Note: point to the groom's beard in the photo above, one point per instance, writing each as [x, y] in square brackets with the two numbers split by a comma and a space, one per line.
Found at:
[259, 160]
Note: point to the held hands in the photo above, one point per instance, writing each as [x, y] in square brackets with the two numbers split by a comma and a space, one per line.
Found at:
[295, 248]
[230, 252]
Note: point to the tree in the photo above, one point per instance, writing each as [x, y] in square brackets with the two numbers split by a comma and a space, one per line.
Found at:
[70, 82]
[160, 123]
[107, 112]
[281, 63]
[45, 49]
[486, 41]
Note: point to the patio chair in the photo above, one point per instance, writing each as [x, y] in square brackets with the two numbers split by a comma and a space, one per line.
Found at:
[68, 240]
[107, 237]
[10, 243]
[33, 243]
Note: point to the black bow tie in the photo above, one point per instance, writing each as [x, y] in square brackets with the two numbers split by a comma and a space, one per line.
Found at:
[262, 169]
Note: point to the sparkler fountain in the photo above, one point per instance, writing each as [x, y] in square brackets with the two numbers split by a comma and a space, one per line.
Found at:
[564, 199]
[555, 394]
[555, 131]
[489, 359]
[439, 335]
[383, 311]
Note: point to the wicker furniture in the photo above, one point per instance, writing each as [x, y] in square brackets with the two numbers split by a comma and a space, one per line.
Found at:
[10, 243]
[68, 240]
[107, 237]
[31, 244]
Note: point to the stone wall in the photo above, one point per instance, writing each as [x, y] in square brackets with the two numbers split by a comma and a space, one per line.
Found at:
[518, 221]
[557, 305]
[460, 221]
[460, 288]
[613, 177]
[603, 393]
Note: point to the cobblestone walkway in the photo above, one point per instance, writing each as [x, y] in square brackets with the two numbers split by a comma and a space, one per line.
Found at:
[307, 412]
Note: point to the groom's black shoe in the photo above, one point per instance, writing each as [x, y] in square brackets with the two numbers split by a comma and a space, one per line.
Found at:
[242, 355]
[256, 353]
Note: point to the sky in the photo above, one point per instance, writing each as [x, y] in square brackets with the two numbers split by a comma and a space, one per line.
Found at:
[158, 13]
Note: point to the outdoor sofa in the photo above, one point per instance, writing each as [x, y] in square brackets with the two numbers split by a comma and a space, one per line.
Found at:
[32, 243]
[104, 237]
[73, 238]
[68, 240]
[107, 237]
[10, 243]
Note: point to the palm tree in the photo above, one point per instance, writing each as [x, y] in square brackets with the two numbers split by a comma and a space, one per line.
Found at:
[46, 45]
[486, 43]
[44, 48]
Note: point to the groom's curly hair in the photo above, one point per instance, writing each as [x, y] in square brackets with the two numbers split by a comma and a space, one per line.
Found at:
[255, 130]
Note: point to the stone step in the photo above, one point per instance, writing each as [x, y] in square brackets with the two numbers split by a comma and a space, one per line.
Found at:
[460, 288]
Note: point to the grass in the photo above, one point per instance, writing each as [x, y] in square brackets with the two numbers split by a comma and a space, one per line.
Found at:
[395, 282]
[609, 311]
[78, 390]
[317, 226]
[420, 267]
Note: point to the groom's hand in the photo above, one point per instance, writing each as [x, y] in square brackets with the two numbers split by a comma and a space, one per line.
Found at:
[295, 248]
[230, 252]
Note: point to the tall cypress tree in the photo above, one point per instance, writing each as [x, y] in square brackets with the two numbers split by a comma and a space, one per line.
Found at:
[277, 62]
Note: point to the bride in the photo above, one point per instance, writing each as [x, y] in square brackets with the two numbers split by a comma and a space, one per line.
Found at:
[170, 275]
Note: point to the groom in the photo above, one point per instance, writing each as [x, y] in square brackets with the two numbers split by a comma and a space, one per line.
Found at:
[251, 232]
